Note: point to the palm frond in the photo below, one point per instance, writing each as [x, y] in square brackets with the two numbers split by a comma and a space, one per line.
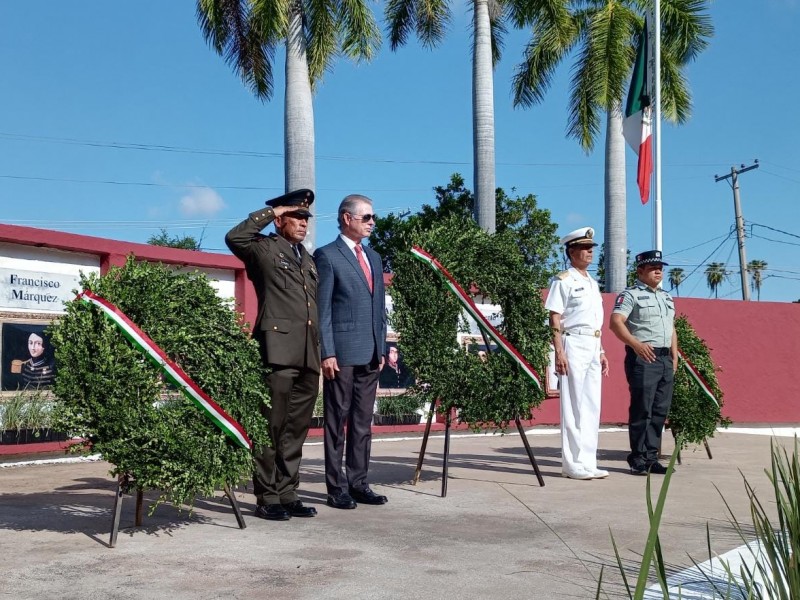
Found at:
[234, 29]
[686, 28]
[542, 55]
[361, 36]
[433, 16]
[401, 16]
[497, 19]
[676, 103]
[320, 28]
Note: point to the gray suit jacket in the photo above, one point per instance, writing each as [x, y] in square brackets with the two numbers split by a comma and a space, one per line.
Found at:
[352, 321]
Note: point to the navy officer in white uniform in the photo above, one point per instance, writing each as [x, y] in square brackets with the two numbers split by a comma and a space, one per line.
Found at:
[576, 318]
[643, 319]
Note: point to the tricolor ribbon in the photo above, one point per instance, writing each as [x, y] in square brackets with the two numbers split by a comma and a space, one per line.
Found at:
[172, 372]
[698, 378]
[476, 314]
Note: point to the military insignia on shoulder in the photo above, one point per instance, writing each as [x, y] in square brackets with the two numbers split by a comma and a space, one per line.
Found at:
[563, 275]
[620, 299]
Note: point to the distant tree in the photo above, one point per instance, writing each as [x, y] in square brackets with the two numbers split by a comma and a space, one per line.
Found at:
[676, 278]
[519, 217]
[756, 268]
[715, 275]
[186, 242]
[630, 277]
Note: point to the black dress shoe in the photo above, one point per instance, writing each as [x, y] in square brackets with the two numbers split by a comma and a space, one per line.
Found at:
[342, 500]
[657, 468]
[296, 509]
[273, 512]
[367, 496]
[638, 470]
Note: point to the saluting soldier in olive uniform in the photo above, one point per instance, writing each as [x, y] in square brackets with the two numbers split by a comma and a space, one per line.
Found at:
[285, 280]
[643, 318]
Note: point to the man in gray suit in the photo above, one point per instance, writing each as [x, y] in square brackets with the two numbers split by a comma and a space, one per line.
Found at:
[352, 321]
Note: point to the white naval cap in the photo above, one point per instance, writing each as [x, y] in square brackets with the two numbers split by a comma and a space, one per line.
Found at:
[582, 236]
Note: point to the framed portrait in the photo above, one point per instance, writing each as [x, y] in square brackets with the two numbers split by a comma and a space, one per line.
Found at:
[395, 375]
[28, 361]
[475, 344]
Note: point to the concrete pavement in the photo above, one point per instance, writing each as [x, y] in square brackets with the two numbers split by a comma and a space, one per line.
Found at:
[497, 534]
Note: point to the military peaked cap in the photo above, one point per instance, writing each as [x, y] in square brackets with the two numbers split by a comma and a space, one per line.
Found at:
[579, 237]
[301, 199]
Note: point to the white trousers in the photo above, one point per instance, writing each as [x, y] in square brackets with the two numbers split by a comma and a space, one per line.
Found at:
[580, 404]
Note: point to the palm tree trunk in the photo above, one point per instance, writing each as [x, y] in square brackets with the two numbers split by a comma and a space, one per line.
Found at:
[298, 119]
[616, 229]
[483, 118]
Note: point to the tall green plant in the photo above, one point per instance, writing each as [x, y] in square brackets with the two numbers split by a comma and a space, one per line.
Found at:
[776, 555]
[113, 396]
[693, 415]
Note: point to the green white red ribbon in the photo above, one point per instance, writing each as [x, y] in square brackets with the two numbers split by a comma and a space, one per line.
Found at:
[172, 372]
[476, 314]
[697, 377]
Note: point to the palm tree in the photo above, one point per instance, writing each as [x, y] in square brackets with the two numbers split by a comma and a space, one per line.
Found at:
[429, 20]
[756, 267]
[715, 275]
[246, 34]
[604, 34]
[676, 278]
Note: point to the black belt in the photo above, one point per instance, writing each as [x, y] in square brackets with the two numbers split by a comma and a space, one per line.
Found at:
[656, 351]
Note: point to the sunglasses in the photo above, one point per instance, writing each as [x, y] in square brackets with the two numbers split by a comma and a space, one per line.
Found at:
[364, 217]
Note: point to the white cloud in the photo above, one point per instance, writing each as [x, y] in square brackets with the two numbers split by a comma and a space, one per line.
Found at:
[575, 219]
[202, 201]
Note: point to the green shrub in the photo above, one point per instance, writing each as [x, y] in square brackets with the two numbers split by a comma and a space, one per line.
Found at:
[400, 405]
[112, 395]
[693, 415]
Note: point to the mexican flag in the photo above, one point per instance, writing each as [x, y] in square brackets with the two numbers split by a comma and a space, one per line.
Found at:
[636, 127]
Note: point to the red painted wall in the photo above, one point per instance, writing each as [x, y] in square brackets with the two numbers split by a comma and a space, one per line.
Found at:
[757, 345]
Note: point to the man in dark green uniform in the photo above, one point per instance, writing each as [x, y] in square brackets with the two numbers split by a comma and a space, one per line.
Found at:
[285, 280]
[643, 319]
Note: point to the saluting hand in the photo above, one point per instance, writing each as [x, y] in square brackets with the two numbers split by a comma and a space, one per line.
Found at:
[330, 367]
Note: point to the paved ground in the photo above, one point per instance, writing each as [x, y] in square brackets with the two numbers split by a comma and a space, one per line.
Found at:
[497, 534]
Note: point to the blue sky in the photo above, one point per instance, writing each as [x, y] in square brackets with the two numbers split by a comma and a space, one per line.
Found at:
[119, 120]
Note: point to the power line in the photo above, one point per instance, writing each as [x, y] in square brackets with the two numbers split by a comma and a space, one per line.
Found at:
[773, 229]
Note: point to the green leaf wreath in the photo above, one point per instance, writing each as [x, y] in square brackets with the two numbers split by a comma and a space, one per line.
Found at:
[694, 415]
[427, 317]
[110, 394]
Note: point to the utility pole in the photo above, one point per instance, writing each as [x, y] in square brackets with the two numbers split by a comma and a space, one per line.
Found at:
[734, 183]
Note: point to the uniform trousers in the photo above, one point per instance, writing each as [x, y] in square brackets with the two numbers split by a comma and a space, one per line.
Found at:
[277, 467]
[349, 399]
[650, 386]
[580, 403]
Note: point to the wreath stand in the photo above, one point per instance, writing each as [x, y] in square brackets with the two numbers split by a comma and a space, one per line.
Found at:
[123, 487]
[705, 443]
[446, 456]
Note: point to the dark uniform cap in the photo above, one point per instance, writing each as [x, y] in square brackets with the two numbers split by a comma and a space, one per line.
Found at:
[651, 257]
[301, 198]
[580, 237]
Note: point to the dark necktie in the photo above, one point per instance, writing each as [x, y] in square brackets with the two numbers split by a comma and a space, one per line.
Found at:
[296, 249]
[364, 267]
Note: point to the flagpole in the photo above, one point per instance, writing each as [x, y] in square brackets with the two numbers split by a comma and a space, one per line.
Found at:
[657, 233]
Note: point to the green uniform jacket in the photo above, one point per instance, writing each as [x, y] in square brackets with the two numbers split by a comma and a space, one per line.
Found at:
[287, 319]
